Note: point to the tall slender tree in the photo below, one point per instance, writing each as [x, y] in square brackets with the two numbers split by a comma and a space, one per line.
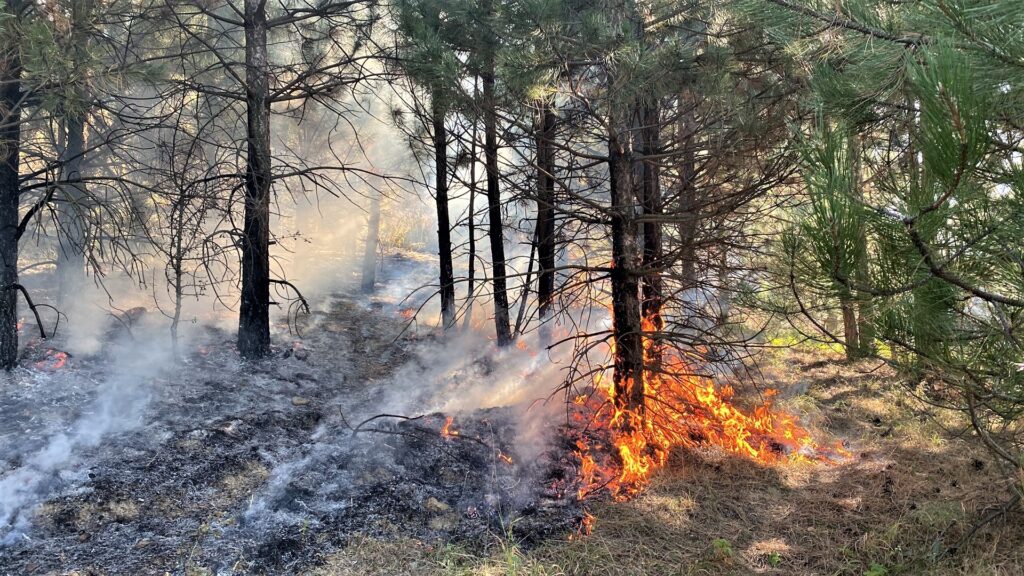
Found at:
[12, 101]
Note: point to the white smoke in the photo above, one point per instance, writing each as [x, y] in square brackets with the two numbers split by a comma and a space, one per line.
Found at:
[119, 406]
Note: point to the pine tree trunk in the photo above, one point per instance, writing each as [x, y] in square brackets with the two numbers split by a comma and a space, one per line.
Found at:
[933, 299]
[369, 279]
[545, 209]
[649, 190]
[471, 223]
[850, 334]
[724, 297]
[254, 313]
[10, 148]
[502, 321]
[70, 215]
[862, 274]
[626, 253]
[444, 227]
[687, 126]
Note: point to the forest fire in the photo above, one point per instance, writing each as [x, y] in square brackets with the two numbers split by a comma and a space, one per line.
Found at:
[446, 430]
[52, 360]
[681, 409]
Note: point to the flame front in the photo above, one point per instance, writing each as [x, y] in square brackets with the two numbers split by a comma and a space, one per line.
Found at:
[681, 409]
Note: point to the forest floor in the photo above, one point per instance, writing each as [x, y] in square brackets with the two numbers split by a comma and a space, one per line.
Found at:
[128, 461]
[123, 463]
[911, 488]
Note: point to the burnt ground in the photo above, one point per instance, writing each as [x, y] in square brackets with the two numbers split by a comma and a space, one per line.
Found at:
[913, 485]
[118, 465]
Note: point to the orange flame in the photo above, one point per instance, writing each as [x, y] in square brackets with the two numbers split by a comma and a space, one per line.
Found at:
[54, 360]
[680, 409]
[446, 430]
[504, 457]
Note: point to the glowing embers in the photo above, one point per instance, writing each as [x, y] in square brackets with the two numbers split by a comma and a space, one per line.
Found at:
[52, 360]
[619, 448]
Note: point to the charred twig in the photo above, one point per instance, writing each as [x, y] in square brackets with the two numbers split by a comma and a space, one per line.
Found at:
[377, 417]
[303, 304]
[32, 306]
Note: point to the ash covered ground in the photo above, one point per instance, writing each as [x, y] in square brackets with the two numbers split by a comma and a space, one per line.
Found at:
[128, 462]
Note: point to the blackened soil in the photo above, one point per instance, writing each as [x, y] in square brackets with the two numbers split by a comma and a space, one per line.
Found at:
[238, 468]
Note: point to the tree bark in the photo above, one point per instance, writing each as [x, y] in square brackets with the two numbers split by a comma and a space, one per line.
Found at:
[626, 320]
[444, 227]
[862, 273]
[369, 279]
[254, 314]
[649, 195]
[70, 215]
[471, 223]
[851, 336]
[545, 209]
[502, 324]
[10, 149]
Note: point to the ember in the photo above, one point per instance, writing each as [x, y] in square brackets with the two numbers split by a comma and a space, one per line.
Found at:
[52, 360]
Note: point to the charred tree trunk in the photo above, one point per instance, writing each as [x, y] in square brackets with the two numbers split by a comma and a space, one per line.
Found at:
[369, 279]
[70, 216]
[545, 209]
[444, 226]
[502, 324]
[625, 284]
[254, 314]
[649, 191]
[10, 149]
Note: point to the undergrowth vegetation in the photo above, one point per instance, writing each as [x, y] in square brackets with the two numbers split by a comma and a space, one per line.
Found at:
[911, 488]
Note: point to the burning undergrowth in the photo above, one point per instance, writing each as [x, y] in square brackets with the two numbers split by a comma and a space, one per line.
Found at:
[619, 446]
[128, 465]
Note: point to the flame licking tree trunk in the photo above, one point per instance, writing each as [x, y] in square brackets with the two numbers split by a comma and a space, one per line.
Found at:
[629, 355]
[10, 149]
[444, 227]
[254, 313]
[501, 315]
[649, 193]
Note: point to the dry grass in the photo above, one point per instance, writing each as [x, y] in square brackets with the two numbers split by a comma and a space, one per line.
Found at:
[908, 492]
